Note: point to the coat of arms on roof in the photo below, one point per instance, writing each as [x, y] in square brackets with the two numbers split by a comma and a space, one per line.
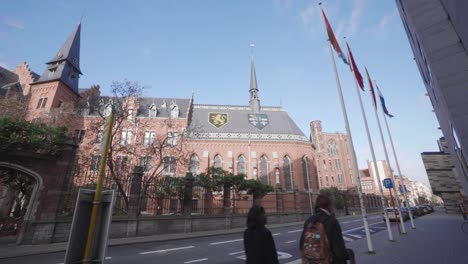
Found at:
[258, 120]
[218, 119]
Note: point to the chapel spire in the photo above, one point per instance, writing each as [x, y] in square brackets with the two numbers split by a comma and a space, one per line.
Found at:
[254, 100]
[65, 66]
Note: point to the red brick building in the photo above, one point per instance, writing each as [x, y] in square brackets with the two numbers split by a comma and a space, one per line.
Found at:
[262, 142]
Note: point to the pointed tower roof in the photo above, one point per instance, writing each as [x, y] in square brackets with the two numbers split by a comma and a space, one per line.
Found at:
[65, 66]
[253, 77]
[70, 51]
[254, 99]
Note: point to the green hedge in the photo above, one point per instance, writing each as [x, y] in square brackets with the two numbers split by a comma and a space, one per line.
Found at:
[36, 138]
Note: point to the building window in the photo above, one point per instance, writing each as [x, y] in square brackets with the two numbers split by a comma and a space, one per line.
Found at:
[172, 138]
[149, 138]
[59, 104]
[324, 164]
[99, 137]
[41, 103]
[288, 181]
[145, 163]
[264, 170]
[125, 138]
[194, 163]
[152, 111]
[241, 165]
[330, 164]
[338, 164]
[340, 179]
[79, 135]
[95, 162]
[169, 166]
[305, 173]
[121, 163]
[332, 148]
[352, 178]
[349, 164]
[218, 162]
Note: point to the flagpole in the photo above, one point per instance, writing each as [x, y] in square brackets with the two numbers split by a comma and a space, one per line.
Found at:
[403, 229]
[399, 172]
[382, 199]
[356, 169]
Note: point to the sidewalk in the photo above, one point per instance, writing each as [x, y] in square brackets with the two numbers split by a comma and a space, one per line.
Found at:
[437, 239]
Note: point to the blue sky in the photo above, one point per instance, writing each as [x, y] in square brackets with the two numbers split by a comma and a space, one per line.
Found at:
[175, 47]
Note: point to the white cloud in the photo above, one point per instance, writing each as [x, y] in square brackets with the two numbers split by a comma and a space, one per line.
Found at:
[356, 15]
[387, 20]
[15, 22]
[310, 17]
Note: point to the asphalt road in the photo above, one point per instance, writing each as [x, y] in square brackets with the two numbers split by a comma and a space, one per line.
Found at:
[215, 249]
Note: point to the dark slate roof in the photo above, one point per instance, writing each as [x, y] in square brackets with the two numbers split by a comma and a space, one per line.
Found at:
[146, 102]
[65, 66]
[8, 80]
[238, 127]
[97, 104]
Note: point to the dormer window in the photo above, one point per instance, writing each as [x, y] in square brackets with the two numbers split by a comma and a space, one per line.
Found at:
[153, 111]
[129, 114]
[107, 110]
[174, 110]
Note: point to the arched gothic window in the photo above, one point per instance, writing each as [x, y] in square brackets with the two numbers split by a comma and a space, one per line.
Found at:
[332, 147]
[194, 163]
[288, 179]
[305, 172]
[218, 161]
[264, 170]
[241, 165]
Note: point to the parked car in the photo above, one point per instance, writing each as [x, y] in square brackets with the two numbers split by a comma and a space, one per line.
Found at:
[416, 211]
[431, 209]
[423, 209]
[392, 217]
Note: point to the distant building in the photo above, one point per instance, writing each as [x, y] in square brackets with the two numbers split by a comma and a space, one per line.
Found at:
[368, 182]
[443, 176]
[438, 33]
[384, 172]
[335, 166]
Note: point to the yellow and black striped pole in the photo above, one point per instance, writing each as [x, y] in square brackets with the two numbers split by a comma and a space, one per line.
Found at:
[97, 194]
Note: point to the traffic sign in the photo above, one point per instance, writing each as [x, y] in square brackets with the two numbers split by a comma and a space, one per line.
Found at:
[388, 183]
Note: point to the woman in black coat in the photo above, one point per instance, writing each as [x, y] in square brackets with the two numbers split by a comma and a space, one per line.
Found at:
[258, 242]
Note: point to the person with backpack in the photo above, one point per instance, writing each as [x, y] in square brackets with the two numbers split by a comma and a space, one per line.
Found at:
[259, 245]
[322, 240]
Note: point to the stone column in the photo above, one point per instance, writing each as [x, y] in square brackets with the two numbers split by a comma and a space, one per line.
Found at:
[187, 203]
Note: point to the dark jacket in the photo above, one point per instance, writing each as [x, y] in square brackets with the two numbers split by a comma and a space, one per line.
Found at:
[259, 246]
[335, 237]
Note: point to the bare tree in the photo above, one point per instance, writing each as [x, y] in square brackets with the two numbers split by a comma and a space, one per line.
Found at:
[129, 147]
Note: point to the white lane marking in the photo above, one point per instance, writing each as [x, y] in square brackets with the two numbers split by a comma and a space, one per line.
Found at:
[107, 258]
[224, 242]
[196, 260]
[353, 235]
[235, 253]
[347, 222]
[276, 234]
[60, 263]
[297, 261]
[294, 231]
[357, 228]
[372, 231]
[356, 220]
[347, 239]
[164, 250]
[292, 241]
[283, 255]
[379, 227]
